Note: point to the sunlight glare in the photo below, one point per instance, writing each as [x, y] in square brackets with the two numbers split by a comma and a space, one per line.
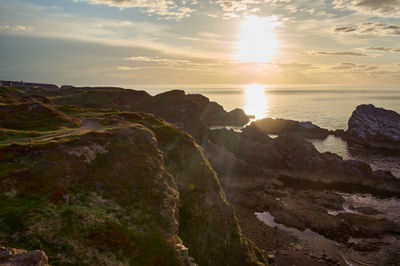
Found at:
[258, 43]
[256, 101]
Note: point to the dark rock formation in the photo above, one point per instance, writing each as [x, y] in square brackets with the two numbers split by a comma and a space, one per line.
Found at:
[375, 127]
[20, 257]
[291, 152]
[192, 112]
[278, 126]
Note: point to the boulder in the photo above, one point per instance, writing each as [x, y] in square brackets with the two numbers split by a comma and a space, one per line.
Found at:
[374, 127]
[278, 126]
[20, 257]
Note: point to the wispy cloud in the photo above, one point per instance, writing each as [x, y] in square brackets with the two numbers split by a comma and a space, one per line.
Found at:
[354, 67]
[345, 53]
[166, 9]
[15, 28]
[382, 49]
[369, 28]
[381, 8]
[111, 32]
[237, 8]
[166, 61]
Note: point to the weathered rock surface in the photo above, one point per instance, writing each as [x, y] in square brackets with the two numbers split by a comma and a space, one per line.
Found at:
[278, 126]
[20, 257]
[139, 192]
[291, 152]
[192, 112]
[375, 127]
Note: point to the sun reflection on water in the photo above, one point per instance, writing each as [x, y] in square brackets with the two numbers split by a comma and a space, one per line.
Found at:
[256, 100]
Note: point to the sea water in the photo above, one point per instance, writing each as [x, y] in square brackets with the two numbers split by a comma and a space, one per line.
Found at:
[328, 106]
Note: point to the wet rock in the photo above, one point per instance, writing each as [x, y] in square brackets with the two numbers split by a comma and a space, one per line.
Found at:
[375, 127]
[254, 153]
[366, 210]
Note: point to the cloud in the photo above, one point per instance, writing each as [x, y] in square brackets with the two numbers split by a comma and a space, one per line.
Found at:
[124, 68]
[155, 37]
[354, 67]
[15, 28]
[381, 8]
[167, 9]
[382, 49]
[166, 61]
[297, 66]
[336, 53]
[370, 28]
[237, 8]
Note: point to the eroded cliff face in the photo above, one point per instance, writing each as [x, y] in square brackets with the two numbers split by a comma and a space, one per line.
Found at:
[125, 188]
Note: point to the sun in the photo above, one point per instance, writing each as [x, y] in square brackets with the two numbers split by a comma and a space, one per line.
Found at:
[256, 100]
[258, 43]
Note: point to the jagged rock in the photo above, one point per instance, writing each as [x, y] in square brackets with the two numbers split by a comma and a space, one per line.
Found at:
[278, 126]
[236, 117]
[194, 113]
[274, 126]
[375, 127]
[292, 152]
[20, 257]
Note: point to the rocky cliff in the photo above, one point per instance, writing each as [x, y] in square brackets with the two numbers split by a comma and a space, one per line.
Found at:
[122, 189]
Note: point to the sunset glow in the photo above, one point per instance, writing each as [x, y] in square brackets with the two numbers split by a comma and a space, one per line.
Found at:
[127, 42]
[256, 100]
[258, 43]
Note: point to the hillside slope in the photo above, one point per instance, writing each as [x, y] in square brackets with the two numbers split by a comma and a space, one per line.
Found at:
[129, 189]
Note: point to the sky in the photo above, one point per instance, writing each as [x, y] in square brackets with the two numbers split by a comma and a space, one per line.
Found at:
[126, 42]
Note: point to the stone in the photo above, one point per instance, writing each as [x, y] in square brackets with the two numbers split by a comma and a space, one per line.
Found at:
[271, 257]
[279, 125]
[374, 127]
[20, 257]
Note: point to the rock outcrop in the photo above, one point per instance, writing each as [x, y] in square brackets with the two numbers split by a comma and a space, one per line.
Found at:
[374, 127]
[20, 257]
[291, 152]
[192, 112]
[137, 191]
[278, 126]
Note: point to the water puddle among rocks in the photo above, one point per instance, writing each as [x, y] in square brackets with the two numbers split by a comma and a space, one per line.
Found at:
[318, 246]
[378, 159]
[370, 205]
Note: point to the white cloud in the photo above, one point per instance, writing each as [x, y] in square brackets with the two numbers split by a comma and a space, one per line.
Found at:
[381, 8]
[166, 61]
[15, 28]
[344, 53]
[167, 9]
[237, 8]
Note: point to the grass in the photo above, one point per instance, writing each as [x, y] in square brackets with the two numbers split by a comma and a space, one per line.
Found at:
[34, 117]
[107, 211]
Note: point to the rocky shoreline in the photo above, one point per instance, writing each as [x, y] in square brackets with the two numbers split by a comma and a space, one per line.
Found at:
[200, 194]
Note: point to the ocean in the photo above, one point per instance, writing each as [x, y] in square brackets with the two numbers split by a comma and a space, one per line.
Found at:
[328, 106]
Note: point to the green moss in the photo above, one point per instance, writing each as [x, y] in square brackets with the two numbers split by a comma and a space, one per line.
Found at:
[34, 116]
[84, 112]
[16, 135]
[119, 222]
